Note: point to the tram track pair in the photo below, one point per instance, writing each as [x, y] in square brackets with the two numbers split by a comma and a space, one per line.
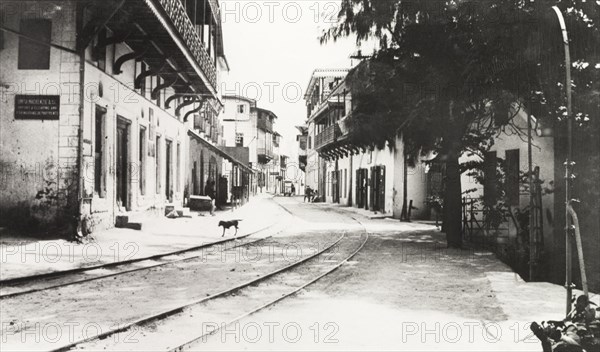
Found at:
[97, 342]
[194, 341]
[183, 306]
[64, 274]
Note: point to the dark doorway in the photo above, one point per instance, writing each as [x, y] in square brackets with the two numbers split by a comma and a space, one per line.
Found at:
[202, 173]
[169, 168]
[222, 190]
[195, 186]
[335, 180]
[122, 171]
[378, 188]
[362, 177]
[99, 152]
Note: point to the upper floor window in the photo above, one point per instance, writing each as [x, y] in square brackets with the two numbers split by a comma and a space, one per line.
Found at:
[239, 139]
[35, 55]
[99, 50]
[240, 108]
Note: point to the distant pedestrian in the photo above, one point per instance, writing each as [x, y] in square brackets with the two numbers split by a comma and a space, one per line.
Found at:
[209, 190]
[293, 190]
[307, 194]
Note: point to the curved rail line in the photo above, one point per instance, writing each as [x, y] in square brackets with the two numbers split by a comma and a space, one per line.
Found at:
[193, 341]
[189, 344]
[170, 312]
[18, 280]
[208, 245]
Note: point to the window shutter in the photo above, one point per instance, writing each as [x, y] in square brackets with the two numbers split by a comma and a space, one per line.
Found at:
[33, 55]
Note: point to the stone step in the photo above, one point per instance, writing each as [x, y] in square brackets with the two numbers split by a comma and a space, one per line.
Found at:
[134, 225]
[183, 211]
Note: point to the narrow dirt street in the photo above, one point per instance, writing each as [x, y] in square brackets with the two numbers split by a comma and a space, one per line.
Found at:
[330, 279]
[404, 291]
[31, 321]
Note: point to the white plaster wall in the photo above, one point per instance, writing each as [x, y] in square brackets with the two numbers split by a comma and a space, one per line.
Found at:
[542, 156]
[121, 100]
[39, 155]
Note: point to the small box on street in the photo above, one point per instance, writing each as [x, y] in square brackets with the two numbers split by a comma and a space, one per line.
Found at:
[169, 208]
[200, 203]
[121, 221]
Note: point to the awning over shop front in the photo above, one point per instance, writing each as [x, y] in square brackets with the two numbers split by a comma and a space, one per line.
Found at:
[219, 152]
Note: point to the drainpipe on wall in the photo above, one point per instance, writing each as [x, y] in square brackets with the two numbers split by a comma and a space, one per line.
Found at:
[350, 179]
[82, 44]
[569, 162]
[531, 195]
[80, 185]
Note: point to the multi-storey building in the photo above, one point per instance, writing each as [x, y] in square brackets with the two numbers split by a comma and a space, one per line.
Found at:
[297, 169]
[245, 125]
[99, 102]
[357, 175]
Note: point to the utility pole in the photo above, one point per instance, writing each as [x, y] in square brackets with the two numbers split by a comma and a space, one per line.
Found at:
[531, 185]
[568, 163]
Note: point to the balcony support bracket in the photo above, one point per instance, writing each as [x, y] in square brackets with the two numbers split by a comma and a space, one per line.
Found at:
[186, 102]
[171, 98]
[95, 25]
[164, 85]
[104, 42]
[200, 106]
[151, 72]
[126, 57]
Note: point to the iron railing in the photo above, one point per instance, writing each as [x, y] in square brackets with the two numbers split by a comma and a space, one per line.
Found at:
[180, 20]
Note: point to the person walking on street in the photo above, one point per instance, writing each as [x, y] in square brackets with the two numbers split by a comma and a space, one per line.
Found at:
[307, 193]
[209, 190]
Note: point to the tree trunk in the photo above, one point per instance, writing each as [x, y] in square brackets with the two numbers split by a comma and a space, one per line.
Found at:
[453, 189]
[453, 202]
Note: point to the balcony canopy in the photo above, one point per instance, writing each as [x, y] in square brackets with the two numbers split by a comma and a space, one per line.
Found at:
[323, 73]
[161, 33]
[220, 152]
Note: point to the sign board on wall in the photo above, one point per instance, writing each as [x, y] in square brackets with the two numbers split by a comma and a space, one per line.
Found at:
[37, 107]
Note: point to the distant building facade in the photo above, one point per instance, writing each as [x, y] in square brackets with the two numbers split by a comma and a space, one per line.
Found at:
[245, 125]
[369, 178]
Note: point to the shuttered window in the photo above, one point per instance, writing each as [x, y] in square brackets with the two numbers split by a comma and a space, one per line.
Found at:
[489, 185]
[34, 55]
[512, 176]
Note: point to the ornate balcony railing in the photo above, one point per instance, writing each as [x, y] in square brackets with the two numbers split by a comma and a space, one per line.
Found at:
[180, 20]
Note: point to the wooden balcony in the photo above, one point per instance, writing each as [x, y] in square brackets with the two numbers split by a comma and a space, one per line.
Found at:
[187, 31]
[329, 135]
[265, 153]
[265, 125]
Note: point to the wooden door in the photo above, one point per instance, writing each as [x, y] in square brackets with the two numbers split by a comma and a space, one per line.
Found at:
[169, 167]
[122, 172]
[381, 188]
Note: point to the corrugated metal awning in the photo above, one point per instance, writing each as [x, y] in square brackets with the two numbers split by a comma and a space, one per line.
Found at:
[219, 152]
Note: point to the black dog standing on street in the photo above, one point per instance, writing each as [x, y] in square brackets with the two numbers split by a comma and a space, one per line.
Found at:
[227, 224]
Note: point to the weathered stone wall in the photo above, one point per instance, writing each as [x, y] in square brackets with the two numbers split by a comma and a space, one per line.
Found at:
[38, 158]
